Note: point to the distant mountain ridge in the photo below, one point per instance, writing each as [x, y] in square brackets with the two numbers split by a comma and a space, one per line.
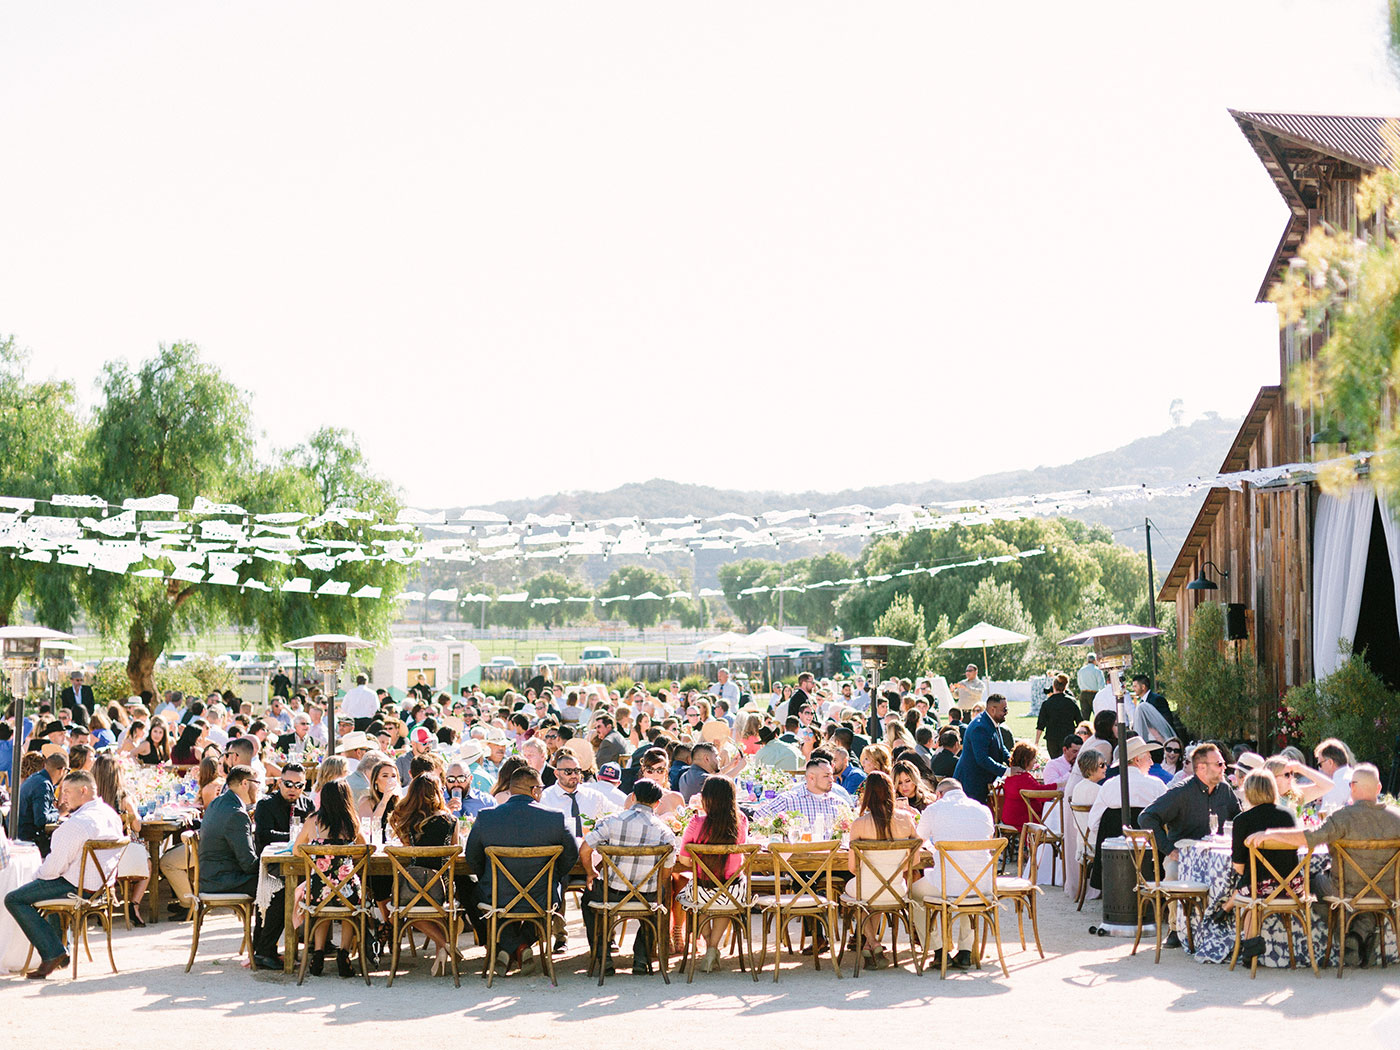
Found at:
[1178, 454]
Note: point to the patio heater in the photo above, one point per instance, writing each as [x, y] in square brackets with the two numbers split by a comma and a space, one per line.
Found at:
[22, 649]
[328, 654]
[874, 654]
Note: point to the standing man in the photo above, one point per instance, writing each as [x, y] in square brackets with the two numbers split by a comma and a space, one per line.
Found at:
[806, 685]
[984, 756]
[725, 689]
[1058, 717]
[361, 703]
[1152, 718]
[281, 684]
[272, 822]
[1090, 681]
[59, 874]
[77, 698]
[967, 694]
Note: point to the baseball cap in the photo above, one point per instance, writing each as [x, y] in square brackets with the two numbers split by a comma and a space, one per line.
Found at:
[610, 773]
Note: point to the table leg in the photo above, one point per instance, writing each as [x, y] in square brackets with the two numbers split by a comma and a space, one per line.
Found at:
[289, 930]
[153, 887]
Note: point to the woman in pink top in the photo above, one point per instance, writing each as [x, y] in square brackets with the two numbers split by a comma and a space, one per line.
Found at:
[720, 822]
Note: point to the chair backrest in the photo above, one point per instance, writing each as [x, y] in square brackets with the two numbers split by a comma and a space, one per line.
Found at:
[104, 892]
[722, 892]
[1144, 847]
[522, 903]
[820, 863]
[339, 880]
[1353, 884]
[1080, 814]
[634, 892]
[980, 854]
[995, 794]
[1284, 893]
[190, 840]
[1051, 810]
[873, 857]
[415, 889]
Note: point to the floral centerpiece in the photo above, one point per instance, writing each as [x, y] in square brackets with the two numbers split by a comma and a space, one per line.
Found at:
[679, 818]
[758, 778]
[151, 787]
[776, 826]
[845, 817]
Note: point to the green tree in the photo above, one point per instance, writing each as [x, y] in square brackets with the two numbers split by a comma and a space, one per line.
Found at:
[905, 621]
[551, 584]
[1215, 695]
[41, 436]
[1353, 704]
[735, 577]
[999, 604]
[634, 580]
[817, 608]
[176, 426]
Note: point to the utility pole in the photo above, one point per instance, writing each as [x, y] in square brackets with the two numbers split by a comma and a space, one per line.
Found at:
[1151, 600]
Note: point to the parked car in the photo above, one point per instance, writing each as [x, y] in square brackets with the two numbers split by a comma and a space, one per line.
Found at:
[597, 654]
[547, 660]
[502, 661]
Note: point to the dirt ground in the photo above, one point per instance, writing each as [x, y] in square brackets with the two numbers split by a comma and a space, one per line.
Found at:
[1087, 987]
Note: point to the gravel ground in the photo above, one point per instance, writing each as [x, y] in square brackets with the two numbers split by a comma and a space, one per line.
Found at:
[1084, 980]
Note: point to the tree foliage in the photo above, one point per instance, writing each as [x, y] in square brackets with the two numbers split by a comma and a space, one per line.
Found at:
[905, 621]
[634, 580]
[1354, 704]
[736, 577]
[1215, 695]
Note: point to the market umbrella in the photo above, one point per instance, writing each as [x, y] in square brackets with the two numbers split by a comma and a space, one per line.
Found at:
[1132, 631]
[984, 634]
[728, 642]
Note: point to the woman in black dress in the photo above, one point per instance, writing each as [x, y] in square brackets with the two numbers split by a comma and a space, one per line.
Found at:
[155, 749]
[333, 824]
[422, 819]
[1264, 814]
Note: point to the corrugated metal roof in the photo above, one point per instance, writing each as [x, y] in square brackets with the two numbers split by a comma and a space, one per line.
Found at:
[1357, 139]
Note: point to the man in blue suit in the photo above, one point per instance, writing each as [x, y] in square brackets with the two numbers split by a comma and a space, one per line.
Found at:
[520, 821]
[984, 756]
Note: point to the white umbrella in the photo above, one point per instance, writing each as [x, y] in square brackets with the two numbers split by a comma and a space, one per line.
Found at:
[728, 642]
[876, 639]
[983, 634]
[768, 640]
[1132, 631]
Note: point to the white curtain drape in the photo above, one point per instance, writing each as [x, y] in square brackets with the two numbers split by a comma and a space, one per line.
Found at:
[1341, 537]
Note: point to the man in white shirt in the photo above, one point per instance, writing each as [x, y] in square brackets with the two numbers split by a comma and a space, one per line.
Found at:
[1143, 788]
[953, 817]
[318, 723]
[1090, 680]
[725, 689]
[570, 797]
[361, 703]
[609, 776]
[88, 818]
[1334, 760]
[217, 717]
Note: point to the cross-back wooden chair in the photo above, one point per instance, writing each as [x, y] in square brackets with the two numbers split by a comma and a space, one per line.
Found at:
[75, 909]
[1361, 894]
[1084, 850]
[1284, 899]
[1022, 894]
[996, 798]
[801, 893]
[204, 903]
[628, 902]
[1161, 894]
[715, 897]
[871, 892]
[424, 891]
[514, 901]
[977, 902]
[1052, 816]
[338, 903]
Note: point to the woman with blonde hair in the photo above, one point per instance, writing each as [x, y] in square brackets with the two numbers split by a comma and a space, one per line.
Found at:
[332, 767]
[877, 758]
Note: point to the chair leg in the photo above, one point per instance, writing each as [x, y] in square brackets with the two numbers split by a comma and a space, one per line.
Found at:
[198, 916]
[107, 923]
[306, 951]
[83, 926]
[1035, 922]
[831, 932]
[1021, 923]
[492, 940]
[996, 930]
[1157, 922]
[662, 921]
[396, 932]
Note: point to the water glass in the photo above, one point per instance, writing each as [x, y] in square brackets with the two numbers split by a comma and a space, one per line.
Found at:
[1214, 825]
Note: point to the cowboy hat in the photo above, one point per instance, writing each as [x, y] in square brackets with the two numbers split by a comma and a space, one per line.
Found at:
[356, 741]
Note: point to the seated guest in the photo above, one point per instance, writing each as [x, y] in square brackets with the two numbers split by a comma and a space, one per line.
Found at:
[654, 768]
[912, 793]
[880, 820]
[776, 753]
[520, 821]
[847, 775]
[59, 874]
[945, 759]
[571, 797]
[1143, 789]
[1057, 769]
[461, 795]
[813, 798]
[1019, 777]
[1262, 814]
[332, 824]
[704, 761]
[193, 736]
[135, 864]
[719, 823]
[38, 804]
[423, 819]
[953, 817]
[1081, 789]
[1334, 761]
[272, 823]
[637, 825]
[1365, 818]
[227, 861]
[500, 790]
[609, 776]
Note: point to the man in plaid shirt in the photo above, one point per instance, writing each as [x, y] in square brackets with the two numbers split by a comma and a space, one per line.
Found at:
[816, 798]
[638, 825]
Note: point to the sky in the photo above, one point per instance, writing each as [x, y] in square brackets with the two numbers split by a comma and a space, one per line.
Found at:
[526, 247]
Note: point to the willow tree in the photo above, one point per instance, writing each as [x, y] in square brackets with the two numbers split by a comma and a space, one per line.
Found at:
[176, 426]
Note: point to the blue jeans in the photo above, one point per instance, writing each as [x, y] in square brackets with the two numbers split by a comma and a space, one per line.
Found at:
[41, 933]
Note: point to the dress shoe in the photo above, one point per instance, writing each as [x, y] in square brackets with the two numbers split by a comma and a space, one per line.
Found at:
[1172, 941]
[528, 964]
[47, 967]
[267, 962]
[816, 947]
[561, 943]
[641, 965]
[1352, 952]
[503, 962]
[963, 960]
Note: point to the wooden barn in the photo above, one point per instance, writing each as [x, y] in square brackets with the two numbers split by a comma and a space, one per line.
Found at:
[1297, 569]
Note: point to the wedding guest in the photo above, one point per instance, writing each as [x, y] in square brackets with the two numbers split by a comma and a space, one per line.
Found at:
[332, 824]
[719, 822]
[422, 819]
[953, 817]
[272, 823]
[1263, 814]
[38, 801]
[912, 792]
[881, 820]
[156, 747]
[1019, 777]
[135, 863]
[984, 756]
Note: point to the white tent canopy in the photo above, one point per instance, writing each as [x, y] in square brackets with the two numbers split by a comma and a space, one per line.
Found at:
[981, 635]
[772, 642]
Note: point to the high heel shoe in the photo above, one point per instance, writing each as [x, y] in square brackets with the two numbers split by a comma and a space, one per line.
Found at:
[342, 964]
[440, 964]
[318, 962]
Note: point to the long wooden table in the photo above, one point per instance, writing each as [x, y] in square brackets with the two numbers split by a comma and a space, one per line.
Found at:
[289, 868]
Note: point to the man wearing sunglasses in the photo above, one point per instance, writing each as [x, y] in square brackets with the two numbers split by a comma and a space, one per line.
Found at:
[272, 822]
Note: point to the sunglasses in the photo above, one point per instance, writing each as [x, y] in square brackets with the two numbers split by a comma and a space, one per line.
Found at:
[295, 785]
[567, 772]
[1172, 750]
[456, 780]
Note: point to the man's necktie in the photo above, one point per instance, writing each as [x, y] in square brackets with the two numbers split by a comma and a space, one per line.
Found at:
[578, 817]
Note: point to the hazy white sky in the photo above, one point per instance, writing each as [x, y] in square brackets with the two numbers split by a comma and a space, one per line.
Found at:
[522, 247]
